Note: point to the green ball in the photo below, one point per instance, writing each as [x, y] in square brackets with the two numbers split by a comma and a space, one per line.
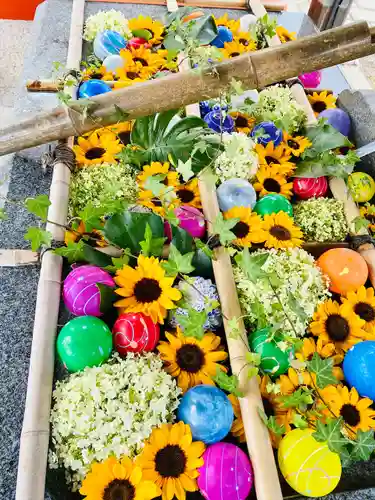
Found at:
[84, 341]
[272, 204]
[274, 361]
[202, 264]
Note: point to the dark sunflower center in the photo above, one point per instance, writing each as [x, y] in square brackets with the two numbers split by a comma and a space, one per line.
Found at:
[147, 290]
[96, 76]
[142, 61]
[337, 328]
[293, 144]
[94, 153]
[119, 489]
[371, 218]
[241, 121]
[132, 75]
[344, 150]
[319, 106]
[124, 137]
[241, 229]
[185, 195]
[271, 159]
[234, 54]
[271, 185]
[365, 311]
[280, 233]
[268, 407]
[244, 41]
[190, 358]
[157, 202]
[350, 414]
[170, 461]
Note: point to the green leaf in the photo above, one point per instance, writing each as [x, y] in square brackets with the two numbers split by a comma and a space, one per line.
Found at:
[259, 312]
[154, 183]
[327, 163]
[223, 227]
[323, 369]
[107, 297]
[296, 308]
[3, 214]
[64, 97]
[142, 33]
[118, 263]
[73, 252]
[252, 372]
[234, 329]
[178, 263]
[182, 240]
[331, 433]
[193, 324]
[360, 223]
[91, 216]
[298, 399]
[204, 247]
[271, 424]
[185, 169]
[324, 137]
[252, 264]
[38, 206]
[38, 237]
[253, 358]
[96, 257]
[300, 422]
[150, 245]
[227, 383]
[120, 115]
[363, 446]
[171, 217]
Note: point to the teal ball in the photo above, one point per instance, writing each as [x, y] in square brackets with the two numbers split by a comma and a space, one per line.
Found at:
[274, 361]
[273, 204]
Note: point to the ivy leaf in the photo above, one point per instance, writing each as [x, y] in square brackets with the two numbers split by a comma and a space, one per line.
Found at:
[185, 169]
[360, 223]
[252, 372]
[323, 369]
[363, 446]
[252, 264]
[223, 228]
[271, 424]
[3, 214]
[107, 297]
[38, 206]
[95, 257]
[204, 247]
[171, 217]
[120, 115]
[296, 308]
[331, 433]
[346, 457]
[234, 329]
[258, 310]
[227, 383]
[150, 245]
[182, 240]
[91, 216]
[325, 137]
[193, 323]
[64, 97]
[38, 237]
[73, 251]
[178, 263]
[253, 358]
[298, 399]
[154, 183]
[300, 422]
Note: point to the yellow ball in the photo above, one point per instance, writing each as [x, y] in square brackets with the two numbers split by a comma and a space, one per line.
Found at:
[309, 467]
[362, 186]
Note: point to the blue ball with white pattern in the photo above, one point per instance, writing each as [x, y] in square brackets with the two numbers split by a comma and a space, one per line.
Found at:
[224, 35]
[266, 132]
[91, 88]
[359, 368]
[107, 43]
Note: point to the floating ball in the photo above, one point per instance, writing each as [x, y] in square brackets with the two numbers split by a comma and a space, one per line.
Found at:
[108, 42]
[91, 88]
[311, 80]
[137, 42]
[308, 187]
[274, 361]
[273, 204]
[84, 341]
[236, 193]
[113, 62]
[347, 270]
[226, 473]
[208, 411]
[135, 332]
[338, 118]
[359, 368]
[308, 467]
[224, 35]
[80, 291]
[271, 132]
[362, 186]
[192, 220]
[204, 108]
[218, 123]
[246, 21]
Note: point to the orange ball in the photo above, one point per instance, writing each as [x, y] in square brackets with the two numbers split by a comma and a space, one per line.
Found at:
[346, 269]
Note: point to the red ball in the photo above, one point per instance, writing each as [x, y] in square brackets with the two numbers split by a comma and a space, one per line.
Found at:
[137, 42]
[135, 332]
[306, 187]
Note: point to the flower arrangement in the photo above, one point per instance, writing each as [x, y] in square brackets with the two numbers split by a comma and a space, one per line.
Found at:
[238, 160]
[106, 20]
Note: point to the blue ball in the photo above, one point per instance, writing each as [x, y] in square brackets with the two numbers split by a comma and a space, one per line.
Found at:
[204, 107]
[236, 193]
[218, 124]
[113, 62]
[359, 368]
[91, 88]
[224, 34]
[269, 129]
[338, 118]
[208, 411]
[108, 42]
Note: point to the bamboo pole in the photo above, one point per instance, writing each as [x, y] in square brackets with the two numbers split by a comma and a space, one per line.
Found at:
[14, 258]
[272, 5]
[34, 440]
[254, 69]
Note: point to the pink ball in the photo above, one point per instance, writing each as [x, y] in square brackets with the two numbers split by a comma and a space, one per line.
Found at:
[192, 220]
[80, 293]
[307, 187]
[226, 473]
[311, 80]
[135, 332]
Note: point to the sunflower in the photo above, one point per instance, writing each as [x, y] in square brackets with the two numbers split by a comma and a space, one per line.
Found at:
[275, 157]
[146, 289]
[244, 38]
[362, 303]
[295, 145]
[237, 429]
[97, 148]
[233, 49]
[150, 61]
[133, 73]
[188, 194]
[269, 182]
[242, 122]
[334, 324]
[157, 204]
[192, 361]
[122, 132]
[170, 460]
[285, 35]
[232, 24]
[75, 233]
[157, 168]
[368, 211]
[113, 479]
[355, 411]
[155, 28]
[100, 73]
[281, 231]
[310, 347]
[249, 229]
[321, 100]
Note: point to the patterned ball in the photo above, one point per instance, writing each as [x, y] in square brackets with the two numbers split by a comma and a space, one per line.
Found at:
[208, 411]
[311, 80]
[274, 361]
[219, 124]
[91, 88]
[362, 186]
[192, 220]
[270, 131]
[226, 473]
[198, 296]
[80, 292]
[359, 368]
[224, 35]
[273, 204]
[236, 193]
[108, 42]
[135, 332]
[306, 187]
[308, 467]
[113, 62]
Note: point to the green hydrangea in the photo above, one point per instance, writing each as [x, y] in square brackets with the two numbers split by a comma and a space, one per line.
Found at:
[106, 20]
[321, 219]
[95, 183]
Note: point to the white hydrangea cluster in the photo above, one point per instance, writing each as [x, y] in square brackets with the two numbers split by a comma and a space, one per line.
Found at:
[109, 410]
[106, 20]
[238, 160]
[294, 274]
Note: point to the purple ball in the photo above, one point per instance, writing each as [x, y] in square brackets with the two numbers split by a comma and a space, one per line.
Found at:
[338, 118]
[226, 473]
[80, 293]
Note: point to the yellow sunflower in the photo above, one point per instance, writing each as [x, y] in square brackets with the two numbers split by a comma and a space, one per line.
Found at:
[172, 65]
[232, 24]
[113, 479]
[122, 132]
[267, 181]
[295, 145]
[170, 460]
[275, 157]
[150, 61]
[321, 100]
[355, 411]
[97, 148]
[156, 28]
[192, 361]
[249, 229]
[233, 49]
[237, 429]
[188, 194]
[334, 324]
[244, 38]
[368, 211]
[146, 289]
[132, 74]
[157, 168]
[310, 347]
[284, 34]
[158, 204]
[362, 303]
[242, 122]
[281, 231]
[97, 74]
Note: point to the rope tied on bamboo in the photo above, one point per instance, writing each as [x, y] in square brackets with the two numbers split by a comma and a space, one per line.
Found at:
[61, 154]
[356, 241]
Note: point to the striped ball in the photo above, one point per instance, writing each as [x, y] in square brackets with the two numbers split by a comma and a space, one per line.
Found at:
[308, 466]
[135, 332]
[226, 473]
[81, 294]
[306, 187]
